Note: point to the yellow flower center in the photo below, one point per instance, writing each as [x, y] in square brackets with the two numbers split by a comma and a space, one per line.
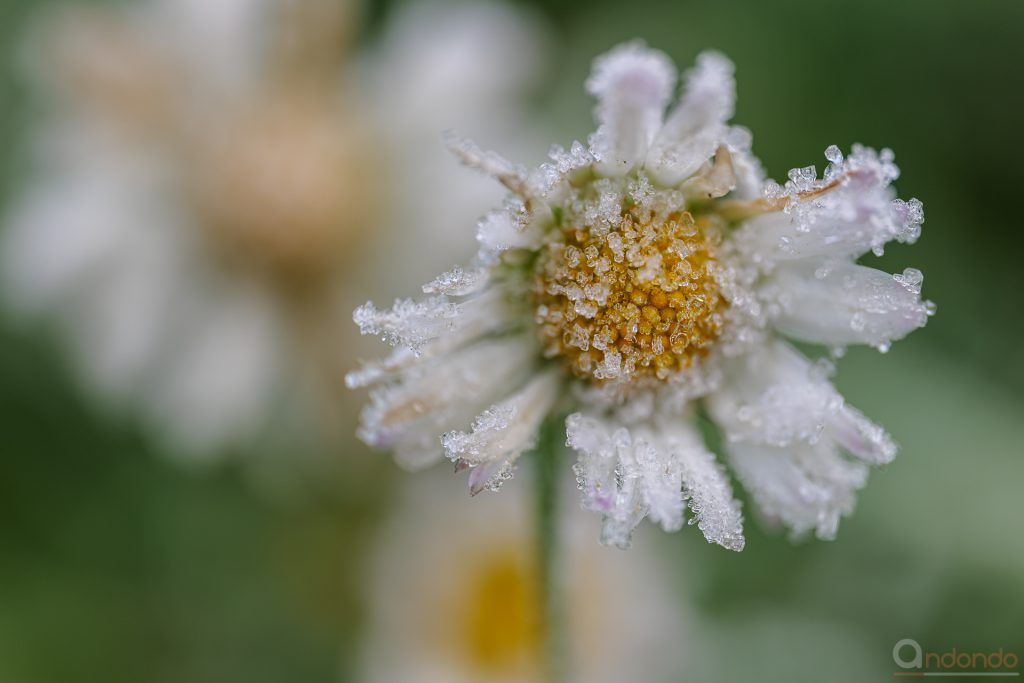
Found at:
[287, 190]
[640, 299]
[499, 626]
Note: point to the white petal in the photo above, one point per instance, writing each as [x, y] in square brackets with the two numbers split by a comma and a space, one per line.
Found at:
[601, 447]
[859, 436]
[660, 478]
[706, 488]
[651, 470]
[510, 175]
[226, 39]
[508, 428]
[446, 393]
[749, 173]
[844, 304]
[777, 397]
[71, 229]
[849, 211]
[453, 64]
[501, 230]
[218, 388]
[807, 488]
[417, 324]
[697, 126]
[459, 281]
[632, 84]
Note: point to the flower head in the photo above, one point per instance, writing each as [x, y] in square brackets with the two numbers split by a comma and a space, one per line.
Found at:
[640, 279]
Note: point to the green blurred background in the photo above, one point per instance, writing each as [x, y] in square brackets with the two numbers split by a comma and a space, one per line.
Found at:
[117, 564]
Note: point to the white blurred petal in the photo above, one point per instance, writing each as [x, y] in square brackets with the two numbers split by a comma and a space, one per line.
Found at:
[226, 367]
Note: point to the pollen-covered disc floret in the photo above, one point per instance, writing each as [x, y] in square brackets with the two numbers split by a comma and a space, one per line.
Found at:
[637, 298]
[645, 276]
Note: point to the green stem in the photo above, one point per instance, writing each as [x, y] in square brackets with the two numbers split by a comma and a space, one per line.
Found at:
[547, 464]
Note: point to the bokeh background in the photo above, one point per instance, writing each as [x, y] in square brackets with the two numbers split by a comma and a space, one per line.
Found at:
[118, 564]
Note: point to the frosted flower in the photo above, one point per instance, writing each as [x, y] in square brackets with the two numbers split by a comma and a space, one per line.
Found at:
[446, 607]
[210, 179]
[638, 280]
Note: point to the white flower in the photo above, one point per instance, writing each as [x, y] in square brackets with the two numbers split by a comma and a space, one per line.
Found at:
[641, 279]
[209, 180]
[452, 597]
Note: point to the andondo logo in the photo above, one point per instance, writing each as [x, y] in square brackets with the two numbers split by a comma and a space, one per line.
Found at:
[913, 660]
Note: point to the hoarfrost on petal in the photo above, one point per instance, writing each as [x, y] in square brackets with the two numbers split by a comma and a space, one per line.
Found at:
[850, 304]
[632, 84]
[706, 489]
[416, 325]
[493, 164]
[458, 281]
[697, 126]
[508, 428]
[651, 470]
[408, 323]
[429, 399]
[777, 397]
[851, 210]
[502, 230]
[806, 487]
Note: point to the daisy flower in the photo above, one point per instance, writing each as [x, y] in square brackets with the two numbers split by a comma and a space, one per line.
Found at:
[209, 180]
[464, 607]
[643, 281]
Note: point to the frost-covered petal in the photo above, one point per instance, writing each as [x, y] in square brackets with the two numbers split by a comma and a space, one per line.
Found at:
[806, 487]
[849, 211]
[508, 428]
[696, 127]
[716, 178]
[502, 230]
[844, 303]
[859, 436]
[433, 397]
[459, 281]
[655, 470]
[414, 324]
[512, 176]
[601, 477]
[777, 397]
[750, 175]
[632, 84]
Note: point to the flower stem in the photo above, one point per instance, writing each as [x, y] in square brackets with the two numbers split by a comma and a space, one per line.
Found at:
[549, 448]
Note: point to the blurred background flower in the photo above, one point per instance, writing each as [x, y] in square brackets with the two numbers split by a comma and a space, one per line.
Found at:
[209, 186]
[117, 566]
[453, 595]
